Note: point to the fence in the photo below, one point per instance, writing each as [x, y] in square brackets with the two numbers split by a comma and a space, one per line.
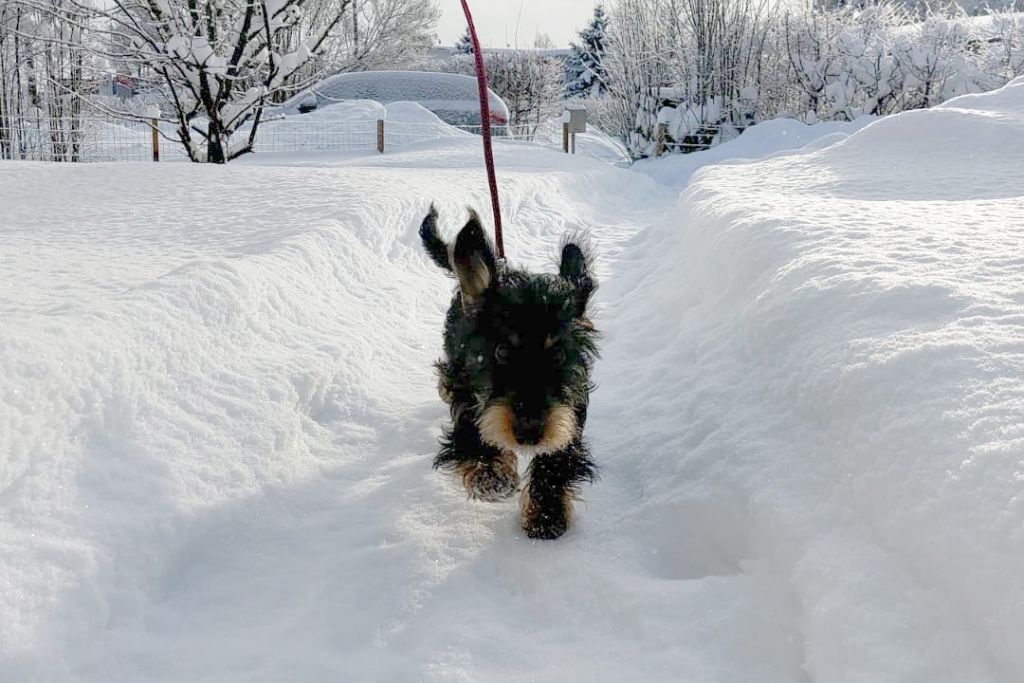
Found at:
[695, 141]
[312, 134]
[104, 139]
[84, 140]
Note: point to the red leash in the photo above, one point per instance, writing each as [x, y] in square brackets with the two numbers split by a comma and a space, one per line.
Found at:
[485, 116]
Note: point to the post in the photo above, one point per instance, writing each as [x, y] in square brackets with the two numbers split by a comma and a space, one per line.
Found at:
[156, 139]
[574, 120]
[153, 114]
[380, 135]
[659, 145]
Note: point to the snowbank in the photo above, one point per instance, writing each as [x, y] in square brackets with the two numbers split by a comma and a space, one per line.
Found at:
[453, 96]
[764, 139]
[411, 122]
[217, 420]
[352, 126]
[595, 143]
[847, 348]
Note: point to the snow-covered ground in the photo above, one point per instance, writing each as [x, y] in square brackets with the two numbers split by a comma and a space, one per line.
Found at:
[217, 418]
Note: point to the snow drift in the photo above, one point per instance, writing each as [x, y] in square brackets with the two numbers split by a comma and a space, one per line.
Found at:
[833, 343]
[454, 97]
[778, 136]
[216, 426]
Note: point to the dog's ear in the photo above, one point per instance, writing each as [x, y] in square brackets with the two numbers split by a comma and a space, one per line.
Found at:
[432, 242]
[575, 267]
[473, 260]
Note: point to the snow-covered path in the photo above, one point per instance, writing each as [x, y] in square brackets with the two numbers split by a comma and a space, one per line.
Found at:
[218, 415]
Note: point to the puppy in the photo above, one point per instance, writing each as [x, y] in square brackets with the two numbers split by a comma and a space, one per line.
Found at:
[518, 351]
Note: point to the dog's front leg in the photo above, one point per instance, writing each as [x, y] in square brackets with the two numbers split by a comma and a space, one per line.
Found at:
[487, 472]
[554, 481]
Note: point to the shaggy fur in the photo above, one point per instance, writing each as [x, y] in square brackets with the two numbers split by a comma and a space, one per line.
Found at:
[516, 374]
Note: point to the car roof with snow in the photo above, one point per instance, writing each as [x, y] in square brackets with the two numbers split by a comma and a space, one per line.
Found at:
[453, 97]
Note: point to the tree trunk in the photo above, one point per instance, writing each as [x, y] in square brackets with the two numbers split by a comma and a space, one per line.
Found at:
[216, 144]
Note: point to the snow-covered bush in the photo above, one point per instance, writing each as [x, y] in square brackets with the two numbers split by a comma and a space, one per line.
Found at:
[1003, 40]
[702, 57]
[637, 64]
[843, 61]
[938, 58]
[691, 73]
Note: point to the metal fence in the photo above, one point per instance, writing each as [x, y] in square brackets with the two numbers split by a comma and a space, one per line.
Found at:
[85, 140]
[309, 134]
[106, 139]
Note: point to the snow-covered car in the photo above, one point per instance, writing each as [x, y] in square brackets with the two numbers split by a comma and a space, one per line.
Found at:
[452, 97]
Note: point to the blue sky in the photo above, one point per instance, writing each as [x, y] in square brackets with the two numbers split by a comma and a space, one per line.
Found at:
[497, 21]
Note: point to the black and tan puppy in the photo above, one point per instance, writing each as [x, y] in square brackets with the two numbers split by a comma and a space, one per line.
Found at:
[518, 352]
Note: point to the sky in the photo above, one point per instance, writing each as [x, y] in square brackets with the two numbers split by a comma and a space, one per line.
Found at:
[497, 20]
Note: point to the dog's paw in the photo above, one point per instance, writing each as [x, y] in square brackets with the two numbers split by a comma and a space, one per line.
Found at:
[491, 480]
[546, 522]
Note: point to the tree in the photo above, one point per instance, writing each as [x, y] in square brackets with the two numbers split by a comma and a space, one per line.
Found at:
[637, 65]
[704, 58]
[586, 72]
[390, 34]
[812, 44]
[936, 58]
[464, 45]
[531, 83]
[377, 34]
[220, 61]
[42, 65]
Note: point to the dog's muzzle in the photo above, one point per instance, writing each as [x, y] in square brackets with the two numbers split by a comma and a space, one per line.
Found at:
[549, 432]
[528, 430]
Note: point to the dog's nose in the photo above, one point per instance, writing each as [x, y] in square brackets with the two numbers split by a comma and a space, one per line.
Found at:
[529, 430]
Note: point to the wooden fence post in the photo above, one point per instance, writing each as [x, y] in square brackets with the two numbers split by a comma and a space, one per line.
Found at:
[156, 139]
[153, 114]
[565, 137]
[380, 135]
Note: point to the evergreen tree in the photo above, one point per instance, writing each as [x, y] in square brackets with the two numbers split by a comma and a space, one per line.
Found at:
[586, 75]
[464, 45]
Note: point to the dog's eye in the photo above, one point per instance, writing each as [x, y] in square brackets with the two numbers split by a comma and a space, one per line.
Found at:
[501, 353]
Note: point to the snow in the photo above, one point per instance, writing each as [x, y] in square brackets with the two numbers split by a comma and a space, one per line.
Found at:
[368, 111]
[351, 125]
[416, 123]
[454, 96]
[761, 140]
[851, 322]
[217, 417]
[594, 143]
